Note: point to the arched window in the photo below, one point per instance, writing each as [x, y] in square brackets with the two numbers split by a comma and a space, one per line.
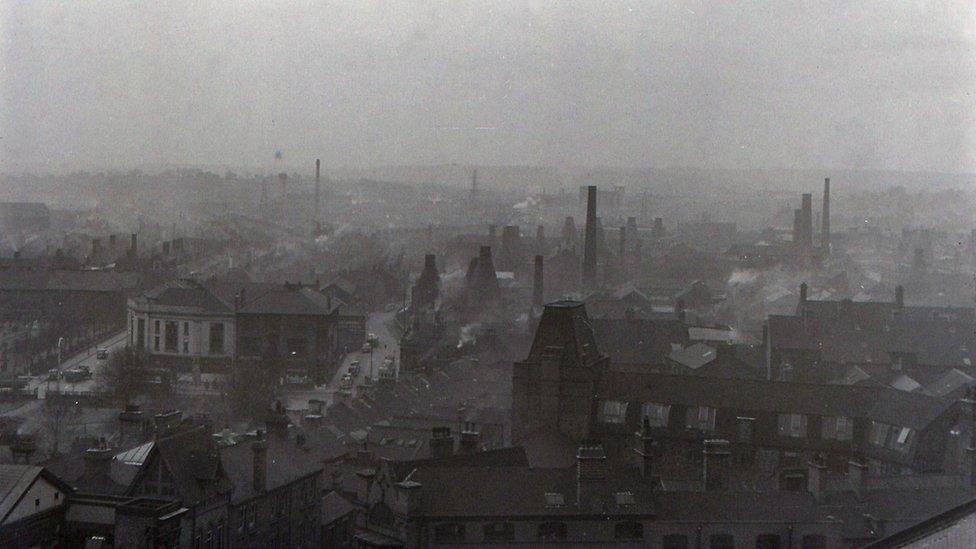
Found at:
[628, 530]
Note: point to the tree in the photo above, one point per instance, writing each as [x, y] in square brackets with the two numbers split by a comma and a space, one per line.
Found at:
[123, 374]
[56, 412]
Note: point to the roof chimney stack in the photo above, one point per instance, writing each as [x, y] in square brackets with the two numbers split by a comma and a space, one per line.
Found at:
[441, 443]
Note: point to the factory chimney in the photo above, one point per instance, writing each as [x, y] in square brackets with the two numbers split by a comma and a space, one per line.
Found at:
[825, 221]
[537, 281]
[589, 243]
[807, 206]
[318, 190]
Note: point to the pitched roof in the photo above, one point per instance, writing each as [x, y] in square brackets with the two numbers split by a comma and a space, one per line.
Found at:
[67, 280]
[192, 459]
[15, 480]
[564, 325]
[638, 341]
[287, 462]
[521, 491]
[694, 356]
[886, 405]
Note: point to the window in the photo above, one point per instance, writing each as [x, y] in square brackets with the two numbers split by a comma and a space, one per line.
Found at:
[186, 329]
[613, 411]
[792, 425]
[900, 439]
[701, 418]
[628, 530]
[746, 427]
[879, 433]
[186, 346]
[156, 343]
[768, 541]
[156, 325]
[656, 414]
[142, 333]
[837, 428]
[448, 532]
[552, 531]
[721, 541]
[217, 338]
[37, 502]
[296, 346]
[674, 541]
[499, 531]
[814, 541]
[172, 336]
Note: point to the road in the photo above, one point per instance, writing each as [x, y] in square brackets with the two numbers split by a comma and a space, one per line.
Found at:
[84, 358]
[369, 364]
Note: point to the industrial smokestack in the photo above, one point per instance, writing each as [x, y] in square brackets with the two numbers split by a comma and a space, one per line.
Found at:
[318, 190]
[797, 228]
[825, 221]
[589, 244]
[537, 283]
[623, 242]
[133, 248]
[807, 227]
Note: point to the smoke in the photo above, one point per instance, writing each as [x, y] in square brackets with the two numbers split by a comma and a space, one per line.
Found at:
[467, 334]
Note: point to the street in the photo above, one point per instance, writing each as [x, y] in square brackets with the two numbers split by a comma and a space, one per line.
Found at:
[369, 364]
[84, 358]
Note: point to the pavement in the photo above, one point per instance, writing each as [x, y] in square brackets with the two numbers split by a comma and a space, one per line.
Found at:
[83, 358]
[369, 363]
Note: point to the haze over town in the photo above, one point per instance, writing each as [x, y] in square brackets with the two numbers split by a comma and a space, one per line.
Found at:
[433, 274]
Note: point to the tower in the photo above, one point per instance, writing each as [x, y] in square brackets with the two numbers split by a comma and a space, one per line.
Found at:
[589, 243]
[825, 221]
[318, 192]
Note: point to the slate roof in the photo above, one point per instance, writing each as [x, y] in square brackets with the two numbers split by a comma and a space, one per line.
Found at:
[67, 280]
[521, 491]
[17, 479]
[220, 297]
[565, 325]
[874, 334]
[886, 405]
[287, 462]
[501, 457]
[192, 459]
[638, 341]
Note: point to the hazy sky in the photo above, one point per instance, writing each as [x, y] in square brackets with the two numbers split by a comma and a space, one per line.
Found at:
[824, 84]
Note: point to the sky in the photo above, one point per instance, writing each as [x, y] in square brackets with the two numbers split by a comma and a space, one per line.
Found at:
[825, 84]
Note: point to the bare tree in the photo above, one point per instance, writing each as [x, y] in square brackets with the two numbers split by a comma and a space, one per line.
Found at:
[56, 413]
[123, 374]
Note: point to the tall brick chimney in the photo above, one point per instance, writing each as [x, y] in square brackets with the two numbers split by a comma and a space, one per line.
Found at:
[537, 283]
[133, 244]
[318, 190]
[807, 207]
[825, 220]
[622, 245]
[591, 473]
[569, 230]
[589, 244]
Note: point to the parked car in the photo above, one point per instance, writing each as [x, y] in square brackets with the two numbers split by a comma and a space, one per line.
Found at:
[367, 348]
[53, 374]
[74, 375]
[354, 367]
[101, 354]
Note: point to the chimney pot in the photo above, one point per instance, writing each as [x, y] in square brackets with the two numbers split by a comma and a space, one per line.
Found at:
[259, 448]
